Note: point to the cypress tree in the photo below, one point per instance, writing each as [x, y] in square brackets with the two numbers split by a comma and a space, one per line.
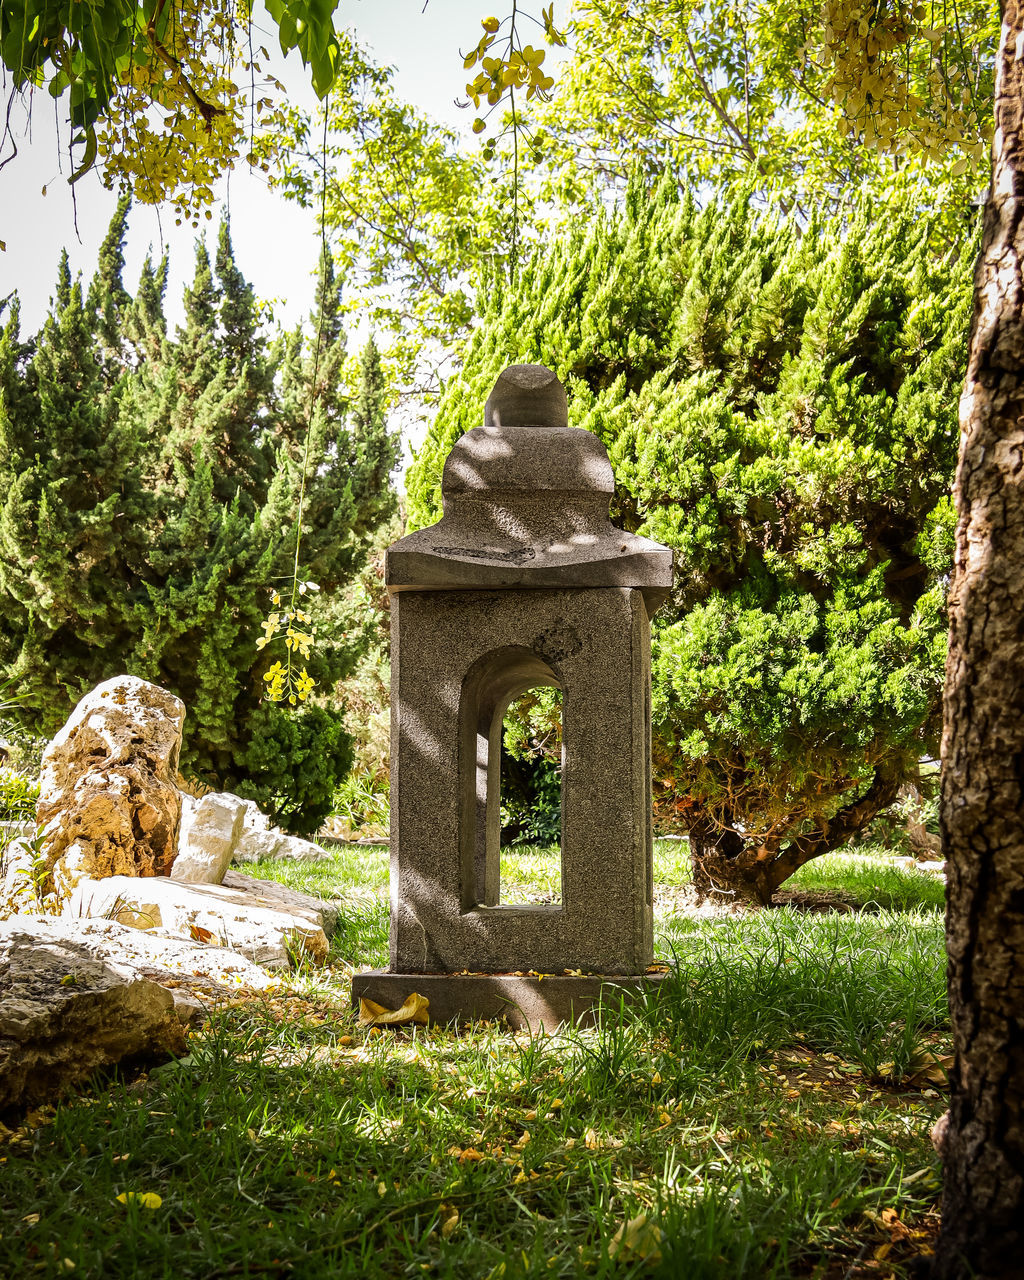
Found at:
[780, 409]
[74, 505]
[108, 299]
[169, 467]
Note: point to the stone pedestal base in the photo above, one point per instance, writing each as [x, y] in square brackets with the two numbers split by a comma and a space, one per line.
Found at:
[523, 1002]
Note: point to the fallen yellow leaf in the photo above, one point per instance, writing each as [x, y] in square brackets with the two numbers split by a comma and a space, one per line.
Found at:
[465, 1155]
[147, 1199]
[449, 1220]
[414, 1009]
[638, 1238]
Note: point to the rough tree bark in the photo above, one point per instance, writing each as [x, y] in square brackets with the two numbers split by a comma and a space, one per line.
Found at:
[982, 1138]
[726, 863]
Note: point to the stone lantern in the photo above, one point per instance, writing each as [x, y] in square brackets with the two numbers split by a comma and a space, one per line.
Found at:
[523, 583]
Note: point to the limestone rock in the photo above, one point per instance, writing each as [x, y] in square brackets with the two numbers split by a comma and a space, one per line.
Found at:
[937, 868]
[204, 913]
[222, 828]
[193, 967]
[254, 846]
[65, 1011]
[269, 893]
[210, 830]
[255, 818]
[108, 802]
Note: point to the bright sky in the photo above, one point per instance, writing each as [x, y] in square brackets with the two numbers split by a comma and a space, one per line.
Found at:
[275, 241]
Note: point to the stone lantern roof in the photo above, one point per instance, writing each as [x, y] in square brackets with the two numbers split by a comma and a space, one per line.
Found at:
[526, 501]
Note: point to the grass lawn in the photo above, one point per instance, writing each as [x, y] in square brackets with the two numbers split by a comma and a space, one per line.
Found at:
[769, 1118]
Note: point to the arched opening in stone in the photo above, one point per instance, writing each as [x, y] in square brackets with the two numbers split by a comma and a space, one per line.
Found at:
[530, 789]
[494, 683]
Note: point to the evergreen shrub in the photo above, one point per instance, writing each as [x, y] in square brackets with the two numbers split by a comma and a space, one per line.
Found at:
[780, 407]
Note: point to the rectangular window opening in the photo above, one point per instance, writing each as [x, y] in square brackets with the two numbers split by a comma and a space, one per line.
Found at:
[530, 798]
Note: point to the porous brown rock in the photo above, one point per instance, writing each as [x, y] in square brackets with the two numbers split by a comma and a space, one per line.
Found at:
[108, 801]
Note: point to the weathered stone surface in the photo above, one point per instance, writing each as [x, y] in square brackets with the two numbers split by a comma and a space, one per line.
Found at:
[527, 395]
[205, 913]
[523, 583]
[182, 965]
[458, 660]
[221, 828]
[526, 500]
[108, 802]
[172, 962]
[254, 846]
[269, 893]
[539, 1004]
[65, 1011]
[210, 830]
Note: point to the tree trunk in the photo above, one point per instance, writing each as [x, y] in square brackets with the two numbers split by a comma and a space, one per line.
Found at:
[982, 1140]
[726, 866]
[726, 863]
[923, 845]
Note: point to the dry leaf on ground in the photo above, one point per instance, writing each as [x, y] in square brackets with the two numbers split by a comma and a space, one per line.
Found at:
[414, 1009]
[933, 1069]
[638, 1239]
[147, 1199]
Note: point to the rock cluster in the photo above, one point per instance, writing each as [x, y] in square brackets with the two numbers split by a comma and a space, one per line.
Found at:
[109, 803]
[152, 923]
[219, 829]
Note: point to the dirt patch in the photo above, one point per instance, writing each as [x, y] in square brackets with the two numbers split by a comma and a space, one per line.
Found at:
[681, 900]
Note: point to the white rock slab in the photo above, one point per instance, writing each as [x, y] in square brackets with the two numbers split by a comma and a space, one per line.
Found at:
[271, 894]
[203, 913]
[221, 828]
[255, 846]
[215, 971]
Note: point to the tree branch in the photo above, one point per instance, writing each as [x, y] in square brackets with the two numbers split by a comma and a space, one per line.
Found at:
[847, 822]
